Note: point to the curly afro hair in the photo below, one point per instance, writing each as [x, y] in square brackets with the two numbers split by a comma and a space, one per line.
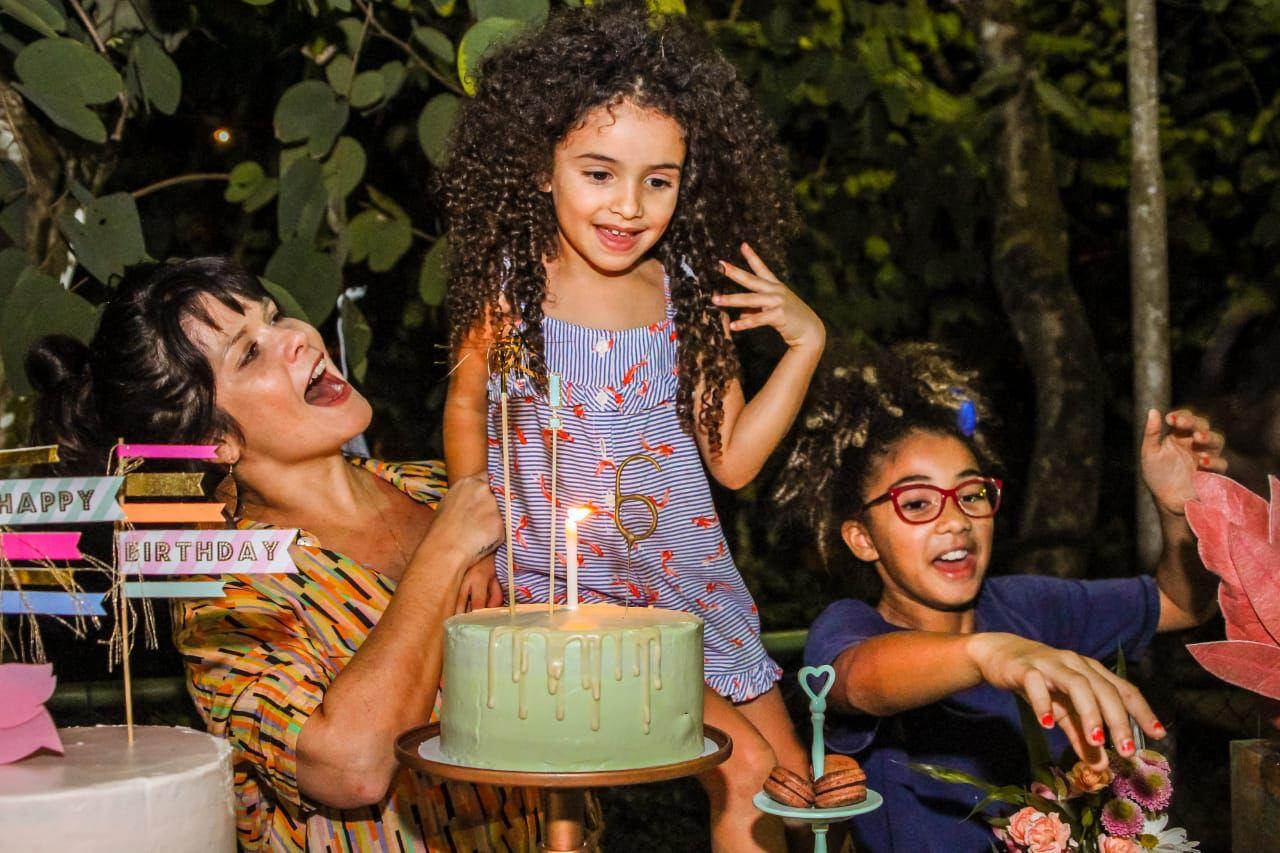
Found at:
[539, 88]
[858, 412]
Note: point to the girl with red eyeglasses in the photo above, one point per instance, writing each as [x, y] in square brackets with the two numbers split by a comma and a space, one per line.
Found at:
[893, 466]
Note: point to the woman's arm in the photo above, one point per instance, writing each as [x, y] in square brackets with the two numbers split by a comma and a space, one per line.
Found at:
[752, 430]
[1169, 462]
[346, 755]
[466, 411]
[896, 672]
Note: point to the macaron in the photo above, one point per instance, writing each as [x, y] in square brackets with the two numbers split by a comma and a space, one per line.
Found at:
[842, 783]
[788, 788]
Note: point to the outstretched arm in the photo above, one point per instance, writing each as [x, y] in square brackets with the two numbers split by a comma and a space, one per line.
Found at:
[1169, 461]
[752, 430]
[896, 672]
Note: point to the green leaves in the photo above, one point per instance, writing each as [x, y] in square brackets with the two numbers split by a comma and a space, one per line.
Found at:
[159, 77]
[478, 41]
[344, 169]
[39, 15]
[433, 276]
[38, 306]
[106, 236]
[381, 234]
[303, 198]
[434, 124]
[64, 78]
[356, 337]
[310, 112]
[526, 11]
[310, 276]
[436, 42]
[250, 187]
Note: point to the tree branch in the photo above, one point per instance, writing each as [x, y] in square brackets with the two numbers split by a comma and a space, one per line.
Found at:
[384, 33]
[176, 180]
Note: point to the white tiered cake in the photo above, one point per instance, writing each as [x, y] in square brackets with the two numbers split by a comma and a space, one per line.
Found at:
[169, 791]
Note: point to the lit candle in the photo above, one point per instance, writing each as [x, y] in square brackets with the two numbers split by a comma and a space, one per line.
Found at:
[571, 519]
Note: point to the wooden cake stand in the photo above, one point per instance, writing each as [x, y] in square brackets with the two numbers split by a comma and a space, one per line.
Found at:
[563, 794]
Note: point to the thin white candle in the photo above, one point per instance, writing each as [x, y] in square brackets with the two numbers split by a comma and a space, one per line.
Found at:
[571, 519]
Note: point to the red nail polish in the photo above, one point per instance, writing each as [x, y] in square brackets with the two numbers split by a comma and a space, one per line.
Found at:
[1097, 735]
[1127, 745]
[1158, 727]
[1047, 721]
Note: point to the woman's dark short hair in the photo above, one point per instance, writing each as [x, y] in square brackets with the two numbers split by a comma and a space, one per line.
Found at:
[141, 378]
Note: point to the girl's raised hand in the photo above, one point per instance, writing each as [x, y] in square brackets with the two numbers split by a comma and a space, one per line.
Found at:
[1076, 693]
[1169, 459]
[769, 302]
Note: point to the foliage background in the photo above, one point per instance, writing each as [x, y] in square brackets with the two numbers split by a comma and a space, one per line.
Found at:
[302, 138]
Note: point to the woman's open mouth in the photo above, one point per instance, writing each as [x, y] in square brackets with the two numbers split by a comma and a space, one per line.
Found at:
[325, 388]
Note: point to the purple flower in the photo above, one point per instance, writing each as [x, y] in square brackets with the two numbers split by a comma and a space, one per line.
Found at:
[1151, 758]
[1122, 817]
[1151, 789]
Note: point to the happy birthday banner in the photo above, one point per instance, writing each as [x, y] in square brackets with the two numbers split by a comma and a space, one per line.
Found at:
[205, 552]
[60, 500]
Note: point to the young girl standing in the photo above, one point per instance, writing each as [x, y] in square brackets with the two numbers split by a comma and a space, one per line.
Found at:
[607, 167]
[894, 466]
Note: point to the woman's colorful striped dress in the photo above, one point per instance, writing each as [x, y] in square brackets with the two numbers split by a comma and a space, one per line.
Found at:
[619, 394]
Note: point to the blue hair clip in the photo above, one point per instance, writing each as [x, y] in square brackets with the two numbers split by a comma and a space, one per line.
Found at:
[967, 418]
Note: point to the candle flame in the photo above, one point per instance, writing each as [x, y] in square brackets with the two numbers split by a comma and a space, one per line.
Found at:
[577, 513]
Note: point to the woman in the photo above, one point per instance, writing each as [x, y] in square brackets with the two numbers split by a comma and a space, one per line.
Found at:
[312, 675]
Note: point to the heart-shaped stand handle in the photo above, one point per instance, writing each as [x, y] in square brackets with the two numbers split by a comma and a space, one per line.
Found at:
[817, 707]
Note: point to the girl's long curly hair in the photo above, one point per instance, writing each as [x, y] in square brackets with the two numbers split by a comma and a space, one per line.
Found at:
[859, 410]
[539, 88]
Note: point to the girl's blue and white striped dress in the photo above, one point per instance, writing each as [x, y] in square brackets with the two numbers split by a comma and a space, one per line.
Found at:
[619, 393]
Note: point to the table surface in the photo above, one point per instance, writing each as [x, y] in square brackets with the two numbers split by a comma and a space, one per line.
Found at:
[408, 744]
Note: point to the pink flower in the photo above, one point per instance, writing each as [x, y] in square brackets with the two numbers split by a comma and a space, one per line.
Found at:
[1107, 844]
[1122, 817]
[1037, 832]
[1152, 789]
[1021, 822]
[1042, 790]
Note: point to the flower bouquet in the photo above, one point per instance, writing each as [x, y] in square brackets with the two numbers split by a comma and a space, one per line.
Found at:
[1119, 809]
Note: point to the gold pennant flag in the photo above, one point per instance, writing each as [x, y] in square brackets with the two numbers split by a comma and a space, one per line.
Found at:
[170, 485]
[37, 577]
[29, 456]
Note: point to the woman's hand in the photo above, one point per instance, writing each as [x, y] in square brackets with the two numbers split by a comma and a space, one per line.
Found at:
[1076, 693]
[468, 520]
[480, 587]
[1170, 460]
[769, 302]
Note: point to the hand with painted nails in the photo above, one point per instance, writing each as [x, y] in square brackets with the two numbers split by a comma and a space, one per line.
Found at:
[1173, 449]
[1076, 693]
[769, 302]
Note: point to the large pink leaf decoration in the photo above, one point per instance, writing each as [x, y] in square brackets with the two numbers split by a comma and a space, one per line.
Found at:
[25, 725]
[1274, 533]
[1253, 666]
[1212, 527]
[1243, 507]
[1257, 564]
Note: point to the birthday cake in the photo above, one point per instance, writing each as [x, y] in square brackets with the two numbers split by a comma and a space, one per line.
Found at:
[601, 687]
[170, 790]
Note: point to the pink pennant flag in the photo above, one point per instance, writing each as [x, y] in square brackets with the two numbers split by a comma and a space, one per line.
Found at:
[167, 451]
[39, 546]
[205, 552]
[25, 725]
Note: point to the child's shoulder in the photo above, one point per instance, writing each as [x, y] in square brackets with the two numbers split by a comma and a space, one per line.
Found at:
[842, 624]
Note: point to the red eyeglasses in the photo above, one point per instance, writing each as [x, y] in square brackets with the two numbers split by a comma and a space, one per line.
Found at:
[921, 503]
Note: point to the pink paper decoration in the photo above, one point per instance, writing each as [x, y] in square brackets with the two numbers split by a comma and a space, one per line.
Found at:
[25, 725]
[1239, 535]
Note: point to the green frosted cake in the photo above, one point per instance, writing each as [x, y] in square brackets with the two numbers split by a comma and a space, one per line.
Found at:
[597, 688]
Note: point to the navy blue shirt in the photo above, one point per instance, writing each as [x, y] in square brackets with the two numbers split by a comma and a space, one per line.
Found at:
[976, 730]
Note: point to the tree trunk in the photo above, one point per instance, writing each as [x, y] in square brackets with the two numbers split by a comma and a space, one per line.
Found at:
[1148, 255]
[1030, 272]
